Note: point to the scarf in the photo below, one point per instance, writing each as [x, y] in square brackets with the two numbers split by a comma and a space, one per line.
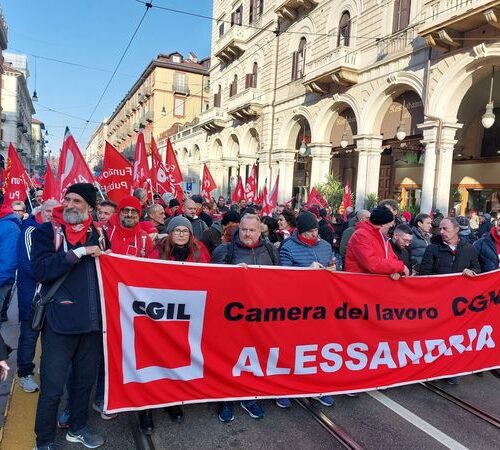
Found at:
[306, 241]
[123, 232]
[496, 238]
[74, 233]
[179, 253]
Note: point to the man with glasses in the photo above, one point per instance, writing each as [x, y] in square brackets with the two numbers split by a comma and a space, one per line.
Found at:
[401, 243]
[125, 233]
[19, 209]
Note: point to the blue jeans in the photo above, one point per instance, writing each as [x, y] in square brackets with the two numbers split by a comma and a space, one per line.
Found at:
[99, 383]
[26, 349]
[59, 352]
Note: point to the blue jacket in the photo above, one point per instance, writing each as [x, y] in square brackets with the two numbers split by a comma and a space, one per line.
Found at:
[488, 254]
[295, 253]
[9, 231]
[26, 284]
[75, 308]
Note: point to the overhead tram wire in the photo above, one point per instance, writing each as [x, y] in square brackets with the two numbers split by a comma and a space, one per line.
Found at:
[148, 5]
[306, 33]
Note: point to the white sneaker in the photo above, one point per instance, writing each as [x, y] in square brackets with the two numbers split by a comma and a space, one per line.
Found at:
[28, 384]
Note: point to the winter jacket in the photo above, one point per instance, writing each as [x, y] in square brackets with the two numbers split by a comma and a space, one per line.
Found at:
[484, 228]
[296, 253]
[202, 256]
[199, 226]
[207, 218]
[4, 350]
[403, 254]
[26, 284]
[368, 251]
[9, 232]
[346, 236]
[234, 252]
[440, 259]
[326, 231]
[125, 242]
[418, 245]
[212, 237]
[75, 308]
[487, 253]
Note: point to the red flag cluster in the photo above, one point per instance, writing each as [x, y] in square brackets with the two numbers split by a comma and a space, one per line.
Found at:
[16, 180]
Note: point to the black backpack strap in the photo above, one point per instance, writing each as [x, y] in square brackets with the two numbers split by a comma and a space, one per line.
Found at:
[270, 249]
[230, 252]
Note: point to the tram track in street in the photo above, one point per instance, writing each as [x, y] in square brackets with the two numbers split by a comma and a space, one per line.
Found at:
[344, 438]
[492, 420]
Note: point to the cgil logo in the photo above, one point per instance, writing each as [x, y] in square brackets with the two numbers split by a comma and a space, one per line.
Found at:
[158, 311]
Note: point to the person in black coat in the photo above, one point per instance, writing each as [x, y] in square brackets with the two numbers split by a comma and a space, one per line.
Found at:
[401, 244]
[488, 249]
[448, 253]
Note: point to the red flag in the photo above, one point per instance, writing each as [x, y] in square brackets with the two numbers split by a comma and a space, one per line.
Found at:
[208, 184]
[346, 202]
[273, 195]
[238, 193]
[174, 174]
[116, 175]
[72, 167]
[251, 185]
[16, 184]
[141, 175]
[50, 186]
[315, 198]
[159, 174]
[267, 208]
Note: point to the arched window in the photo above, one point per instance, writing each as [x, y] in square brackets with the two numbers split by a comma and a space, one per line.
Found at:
[299, 60]
[233, 87]
[255, 72]
[401, 17]
[344, 30]
[218, 97]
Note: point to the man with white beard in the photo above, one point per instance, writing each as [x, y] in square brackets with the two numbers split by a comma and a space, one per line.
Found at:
[72, 329]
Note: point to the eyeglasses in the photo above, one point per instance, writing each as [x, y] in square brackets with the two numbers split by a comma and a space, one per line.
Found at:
[19, 210]
[178, 232]
[130, 212]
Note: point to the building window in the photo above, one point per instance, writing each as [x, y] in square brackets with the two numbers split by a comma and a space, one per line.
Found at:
[256, 9]
[180, 83]
[221, 29]
[233, 87]
[299, 60]
[401, 17]
[217, 98]
[237, 16]
[176, 59]
[344, 30]
[251, 78]
[179, 106]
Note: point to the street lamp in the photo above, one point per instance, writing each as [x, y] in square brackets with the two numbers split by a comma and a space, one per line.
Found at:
[344, 140]
[488, 118]
[400, 132]
[163, 112]
[34, 97]
[304, 150]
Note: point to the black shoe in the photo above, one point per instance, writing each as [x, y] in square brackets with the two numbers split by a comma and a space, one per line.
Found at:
[175, 413]
[146, 421]
[495, 373]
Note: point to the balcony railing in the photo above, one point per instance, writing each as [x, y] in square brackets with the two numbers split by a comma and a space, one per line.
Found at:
[288, 9]
[180, 88]
[337, 66]
[232, 44]
[213, 119]
[247, 104]
[396, 43]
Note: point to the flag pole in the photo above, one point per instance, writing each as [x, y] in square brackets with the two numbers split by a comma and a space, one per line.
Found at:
[29, 199]
[98, 186]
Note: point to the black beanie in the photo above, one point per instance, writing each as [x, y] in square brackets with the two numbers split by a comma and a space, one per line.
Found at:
[85, 190]
[197, 199]
[306, 222]
[381, 215]
[173, 202]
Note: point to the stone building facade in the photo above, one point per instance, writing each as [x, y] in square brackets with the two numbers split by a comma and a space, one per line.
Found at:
[389, 95]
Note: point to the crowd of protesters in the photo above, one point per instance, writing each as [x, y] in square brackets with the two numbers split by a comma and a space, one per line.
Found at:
[54, 243]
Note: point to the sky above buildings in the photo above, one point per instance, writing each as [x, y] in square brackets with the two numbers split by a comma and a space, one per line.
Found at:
[76, 45]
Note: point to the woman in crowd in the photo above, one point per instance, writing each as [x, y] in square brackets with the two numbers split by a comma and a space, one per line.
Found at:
[286, 224]
[269, 228]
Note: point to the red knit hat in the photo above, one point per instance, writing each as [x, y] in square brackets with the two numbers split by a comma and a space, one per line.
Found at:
[129, 202]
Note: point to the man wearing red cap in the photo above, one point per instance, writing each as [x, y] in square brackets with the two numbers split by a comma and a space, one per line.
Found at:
[126, 234]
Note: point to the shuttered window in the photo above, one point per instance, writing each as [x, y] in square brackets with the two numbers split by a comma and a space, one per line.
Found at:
[344, 36]
[401, 17]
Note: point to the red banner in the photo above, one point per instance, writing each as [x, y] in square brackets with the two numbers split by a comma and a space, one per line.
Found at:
[16, 180]
[116, 175]
[141, 177]
[174, 173]
[72, 167]
[207, 184]
[251, 185]
[161, 183]
[49, 187]
[239, 192]
[181, 333]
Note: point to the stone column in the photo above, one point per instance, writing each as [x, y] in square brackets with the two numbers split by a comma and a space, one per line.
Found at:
[285, 160]
[430, 131]
[369, 148]
[263, 170]
[320, 168]
[445, 165]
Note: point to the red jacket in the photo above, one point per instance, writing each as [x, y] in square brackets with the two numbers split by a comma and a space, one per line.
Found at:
[369, 252]
[133, 242]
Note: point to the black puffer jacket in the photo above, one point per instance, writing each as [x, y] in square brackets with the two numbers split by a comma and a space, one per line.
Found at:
[440, 259]
[488, 254]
